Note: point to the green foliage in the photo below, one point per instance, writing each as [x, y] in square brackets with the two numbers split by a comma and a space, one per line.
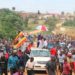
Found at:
[26, 22]
[51, 22]
[10, 23]
[69, 23]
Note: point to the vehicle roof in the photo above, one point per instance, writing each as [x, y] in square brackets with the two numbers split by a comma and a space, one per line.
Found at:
[38, 49]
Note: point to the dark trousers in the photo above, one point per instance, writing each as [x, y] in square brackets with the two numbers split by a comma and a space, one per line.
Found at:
[13, 70]
[4, 71]
[61, 67]
[30, 72]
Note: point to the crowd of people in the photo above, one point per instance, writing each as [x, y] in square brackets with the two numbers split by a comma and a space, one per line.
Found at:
[12, 60]
[61, 49]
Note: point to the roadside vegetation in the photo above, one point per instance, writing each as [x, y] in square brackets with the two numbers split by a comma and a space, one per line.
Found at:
[11, 22]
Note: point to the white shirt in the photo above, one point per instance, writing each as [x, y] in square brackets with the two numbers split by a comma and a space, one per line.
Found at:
[29, 64]
[61, 58]
[73, 58]
[40, 44]
[1, 54]
[45, 43]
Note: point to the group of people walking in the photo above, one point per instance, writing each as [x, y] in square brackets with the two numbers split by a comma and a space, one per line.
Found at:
[14, 64]
[64, 63]
[62, 57]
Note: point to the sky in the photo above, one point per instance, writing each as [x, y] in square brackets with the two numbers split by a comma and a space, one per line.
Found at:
[41, 5]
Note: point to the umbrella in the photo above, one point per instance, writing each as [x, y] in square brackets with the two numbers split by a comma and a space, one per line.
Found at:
[42, 28]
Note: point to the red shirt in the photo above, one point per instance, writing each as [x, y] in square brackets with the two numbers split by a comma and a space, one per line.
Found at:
[53, 51]
[73, 65]
[29, 46]
[66, 68]
[19, 53]
[6, 55]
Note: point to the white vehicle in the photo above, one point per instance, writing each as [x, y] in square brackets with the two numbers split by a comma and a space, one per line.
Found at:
[41, 57]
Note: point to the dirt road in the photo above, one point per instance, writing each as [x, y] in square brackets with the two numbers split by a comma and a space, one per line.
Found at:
[41, 73]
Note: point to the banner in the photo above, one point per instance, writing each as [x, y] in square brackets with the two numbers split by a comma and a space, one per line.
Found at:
[21, 42]
[21, 34]
[35, 32]
[21, 39]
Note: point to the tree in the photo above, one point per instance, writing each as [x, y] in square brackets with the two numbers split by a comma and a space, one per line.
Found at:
[26, 22]
[38, 12]
[69, 23]
[13, 8]
[51, 22]
[62, 13]
[10, 23]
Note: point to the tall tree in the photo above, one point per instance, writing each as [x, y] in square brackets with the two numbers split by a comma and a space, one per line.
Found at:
[62, 13]
[39, 12]
[13, 8]
[10, 23]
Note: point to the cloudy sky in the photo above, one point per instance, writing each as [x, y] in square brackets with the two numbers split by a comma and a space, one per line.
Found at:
[42, 5]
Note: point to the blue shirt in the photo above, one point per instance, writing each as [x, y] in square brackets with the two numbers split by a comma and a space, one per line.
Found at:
[12, 61]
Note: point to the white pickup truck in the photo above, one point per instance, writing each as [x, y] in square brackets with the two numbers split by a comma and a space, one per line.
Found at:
[41, 57]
